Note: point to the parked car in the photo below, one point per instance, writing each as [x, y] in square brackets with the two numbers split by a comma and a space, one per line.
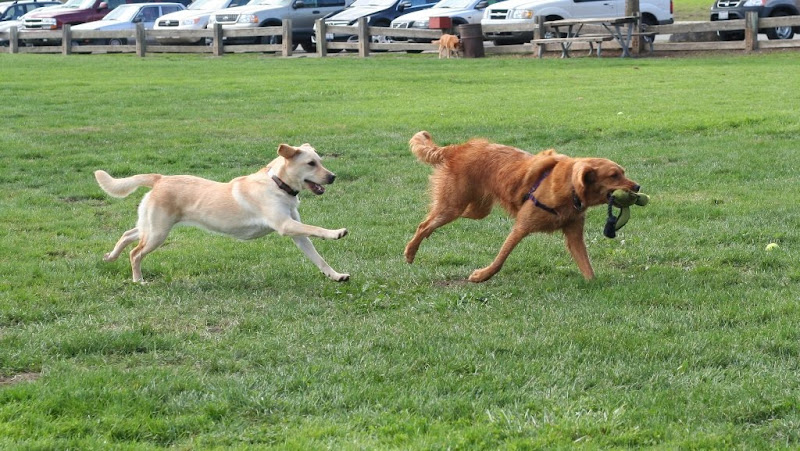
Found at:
[736, 9]
[73, 12]
[195, 17]
[126, 17]
[654, 12]
[459, 11]
[379, 13]
[11, 13]
[268, 13]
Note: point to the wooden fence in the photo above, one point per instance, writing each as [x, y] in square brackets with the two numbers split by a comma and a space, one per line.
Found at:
[372, 39]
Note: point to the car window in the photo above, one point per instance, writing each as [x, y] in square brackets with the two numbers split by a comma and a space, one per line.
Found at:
[238, 3]
[148, 14]
[309, 3]
[169, 9]
[114, 3]
[324, 3]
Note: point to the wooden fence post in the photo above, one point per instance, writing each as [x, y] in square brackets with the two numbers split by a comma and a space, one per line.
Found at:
[322, 44]
[66, 39]
[13, 40]
[363, 37]
[216, 45]
[141, 45]
[538, 31]
[287, 37]
[750, 31]
[632, 9]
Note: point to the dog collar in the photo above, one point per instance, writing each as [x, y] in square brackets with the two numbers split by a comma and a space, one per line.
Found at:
[282, 185]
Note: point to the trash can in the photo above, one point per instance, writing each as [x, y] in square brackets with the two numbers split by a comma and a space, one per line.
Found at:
[471, 40]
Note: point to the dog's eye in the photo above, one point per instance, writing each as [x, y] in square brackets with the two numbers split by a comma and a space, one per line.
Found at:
[312, 163]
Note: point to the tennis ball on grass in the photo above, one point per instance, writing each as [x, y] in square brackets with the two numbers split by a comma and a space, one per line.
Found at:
[771, 247]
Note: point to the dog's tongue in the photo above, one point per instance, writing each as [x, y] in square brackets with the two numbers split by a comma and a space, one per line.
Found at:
[316, 189]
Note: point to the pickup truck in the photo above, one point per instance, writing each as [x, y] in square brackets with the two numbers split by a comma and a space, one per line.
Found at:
[654, 12]
[72, 12]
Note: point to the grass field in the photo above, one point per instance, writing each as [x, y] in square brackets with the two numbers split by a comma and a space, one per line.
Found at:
[688, 337]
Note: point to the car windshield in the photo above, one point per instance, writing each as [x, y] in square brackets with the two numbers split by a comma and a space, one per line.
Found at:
[79, 4]
[123, 13]
[460, 4]
[363, 3]
[203, 5]
[270, 2]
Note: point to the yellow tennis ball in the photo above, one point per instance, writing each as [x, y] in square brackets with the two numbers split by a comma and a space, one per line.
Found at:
[771, 246]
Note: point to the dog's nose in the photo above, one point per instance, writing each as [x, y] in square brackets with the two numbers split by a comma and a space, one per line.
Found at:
[331, 177]
[636, 188]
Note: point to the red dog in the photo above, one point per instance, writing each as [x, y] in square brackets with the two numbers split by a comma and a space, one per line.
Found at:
[544, 192]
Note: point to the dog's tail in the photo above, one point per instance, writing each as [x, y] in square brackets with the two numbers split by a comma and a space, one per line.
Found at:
[425, 149]
[123, 187]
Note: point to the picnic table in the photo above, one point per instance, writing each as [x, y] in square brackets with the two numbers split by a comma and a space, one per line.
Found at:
[568, 31]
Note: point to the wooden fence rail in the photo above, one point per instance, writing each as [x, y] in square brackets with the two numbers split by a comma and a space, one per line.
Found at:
[365, 39]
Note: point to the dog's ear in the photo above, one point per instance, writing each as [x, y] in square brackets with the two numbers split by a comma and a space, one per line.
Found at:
[583, 175]
[287, 151]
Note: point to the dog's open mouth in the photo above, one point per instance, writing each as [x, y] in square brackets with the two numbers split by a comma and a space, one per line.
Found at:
[315, 187]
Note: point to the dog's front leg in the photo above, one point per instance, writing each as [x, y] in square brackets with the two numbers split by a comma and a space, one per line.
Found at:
[573, 236]
[308, 248]
[293, 228]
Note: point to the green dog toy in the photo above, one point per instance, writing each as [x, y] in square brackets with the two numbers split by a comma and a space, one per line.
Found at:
[623, 200]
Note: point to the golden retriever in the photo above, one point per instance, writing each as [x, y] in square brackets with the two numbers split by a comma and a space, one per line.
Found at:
[448, 45]
[544, 192]
[247, 207]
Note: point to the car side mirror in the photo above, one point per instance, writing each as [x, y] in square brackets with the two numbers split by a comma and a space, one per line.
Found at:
[481, 5]
[299, 4]
[103, 5]
[403, 5]
[137, 19]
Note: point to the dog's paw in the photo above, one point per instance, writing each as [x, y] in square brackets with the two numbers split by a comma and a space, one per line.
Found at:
[340, 277]
[480, 275]
[109, 258]
[341, 233]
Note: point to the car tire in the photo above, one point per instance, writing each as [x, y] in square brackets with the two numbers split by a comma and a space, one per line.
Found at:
[308, 46]
[780, 33]
[116, 41]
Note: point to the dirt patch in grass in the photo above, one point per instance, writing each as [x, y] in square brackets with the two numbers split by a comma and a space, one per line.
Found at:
[18, 378]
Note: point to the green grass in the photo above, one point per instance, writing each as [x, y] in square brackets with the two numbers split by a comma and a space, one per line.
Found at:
[692, 9]
[688, 337]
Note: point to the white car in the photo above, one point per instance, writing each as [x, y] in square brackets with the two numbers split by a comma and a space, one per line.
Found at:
[654, 12]
[195, 17]
[460, 11]
[125, 17]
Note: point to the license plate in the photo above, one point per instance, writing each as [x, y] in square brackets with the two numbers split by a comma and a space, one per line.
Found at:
[723, 15]
[329, 36]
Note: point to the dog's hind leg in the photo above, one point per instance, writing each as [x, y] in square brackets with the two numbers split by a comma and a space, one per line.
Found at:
[310, 251]
[127, 238]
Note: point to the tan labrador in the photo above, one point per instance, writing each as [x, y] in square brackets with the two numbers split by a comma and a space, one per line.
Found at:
[247, 207]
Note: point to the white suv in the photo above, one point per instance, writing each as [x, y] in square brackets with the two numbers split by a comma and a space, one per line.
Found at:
[195, 17]
[654, 12]
[270, 13]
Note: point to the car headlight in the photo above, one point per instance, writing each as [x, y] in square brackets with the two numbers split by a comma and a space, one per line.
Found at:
[420, 24]
[754, 3]
[194, 21]
[521, 14]
[50, 23]
[248, 18]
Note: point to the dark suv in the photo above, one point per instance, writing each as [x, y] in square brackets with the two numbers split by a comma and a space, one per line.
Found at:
[736, 9]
